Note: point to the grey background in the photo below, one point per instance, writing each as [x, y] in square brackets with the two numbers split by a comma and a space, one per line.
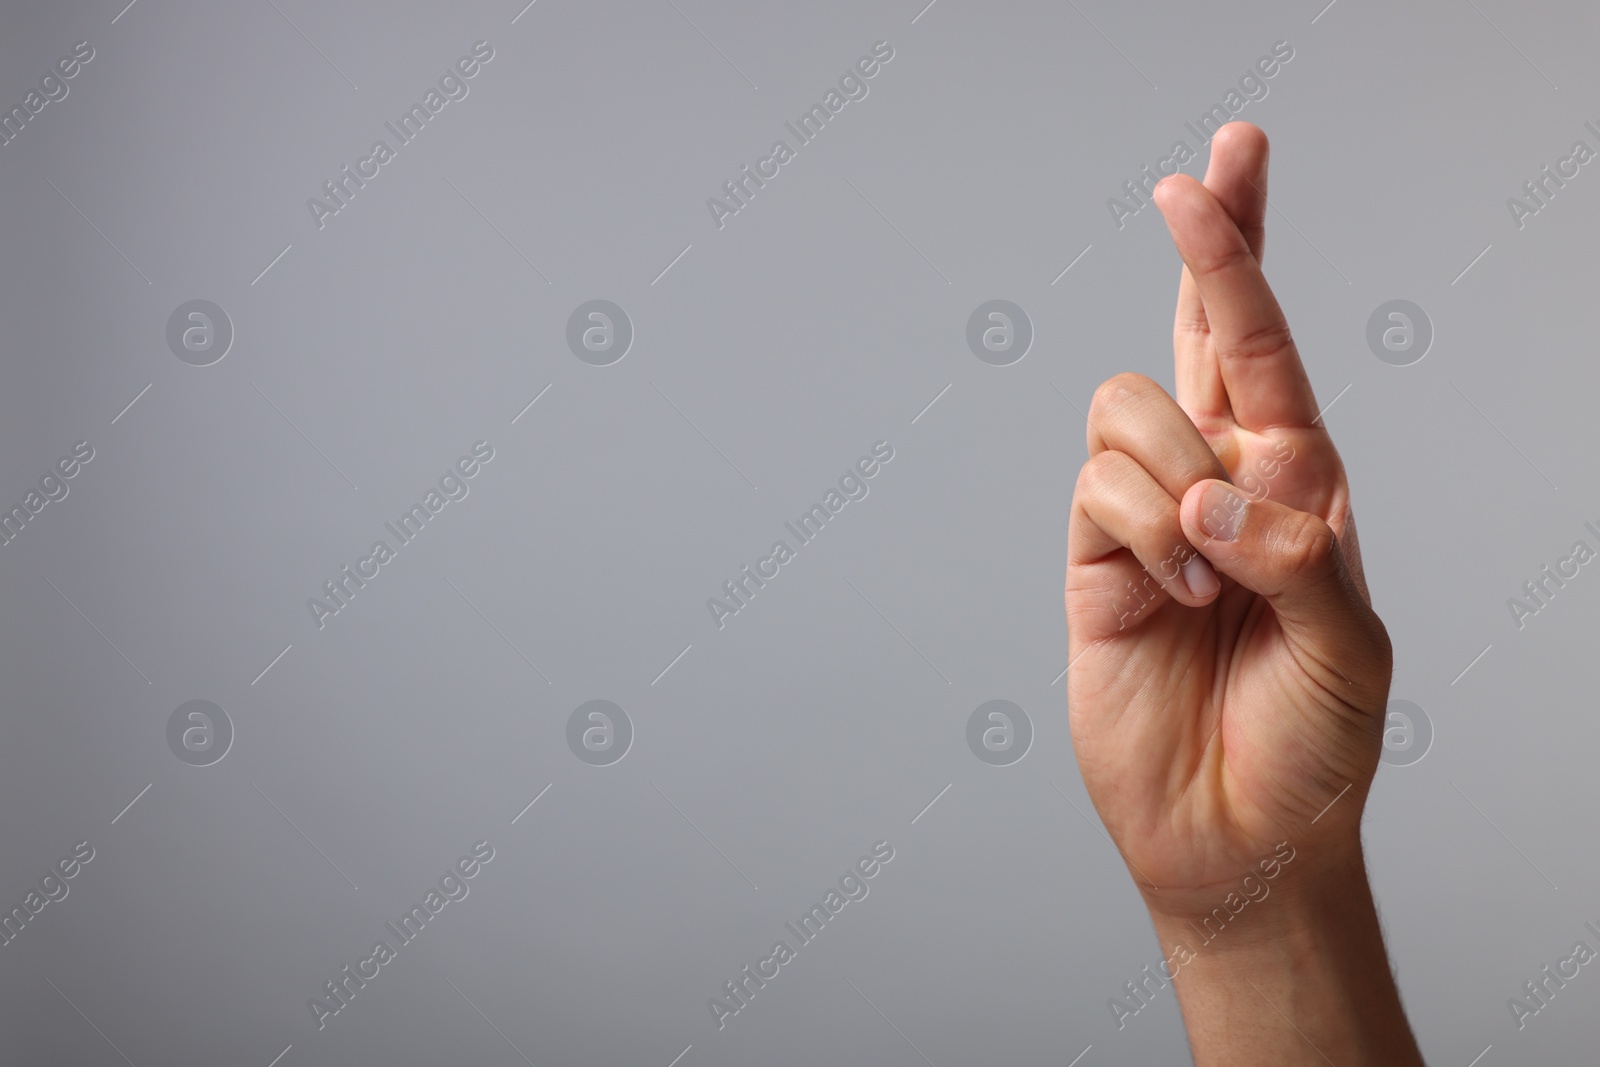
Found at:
[824, 317]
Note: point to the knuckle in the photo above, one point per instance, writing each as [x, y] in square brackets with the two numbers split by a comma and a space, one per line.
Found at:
[1187, 326]
[1099, 473]
[1233, 257]
[1263, 341]
[1118, 390]
[1307, 546]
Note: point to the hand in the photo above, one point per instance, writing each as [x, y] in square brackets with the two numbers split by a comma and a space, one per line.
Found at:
[1228, 676]
[1214, 718]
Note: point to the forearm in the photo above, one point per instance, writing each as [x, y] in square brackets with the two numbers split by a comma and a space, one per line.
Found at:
[1300, 978]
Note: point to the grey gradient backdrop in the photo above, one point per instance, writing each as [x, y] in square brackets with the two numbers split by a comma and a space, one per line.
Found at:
[371, 753]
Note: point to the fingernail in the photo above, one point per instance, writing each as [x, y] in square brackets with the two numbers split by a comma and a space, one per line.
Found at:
[1221, 512]
[1200, 578]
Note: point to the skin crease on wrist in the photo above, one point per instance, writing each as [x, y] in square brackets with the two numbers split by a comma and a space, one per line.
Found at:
[1229, 674]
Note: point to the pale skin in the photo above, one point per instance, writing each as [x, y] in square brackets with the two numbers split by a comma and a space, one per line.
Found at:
[1227, 693]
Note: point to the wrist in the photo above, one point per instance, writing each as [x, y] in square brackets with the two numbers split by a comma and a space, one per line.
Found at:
[1287, 892]
[1299, 975]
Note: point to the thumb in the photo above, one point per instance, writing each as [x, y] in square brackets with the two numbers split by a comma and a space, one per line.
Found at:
[1293, 560]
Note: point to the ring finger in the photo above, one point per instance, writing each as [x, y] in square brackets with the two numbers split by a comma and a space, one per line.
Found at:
[1119, 505]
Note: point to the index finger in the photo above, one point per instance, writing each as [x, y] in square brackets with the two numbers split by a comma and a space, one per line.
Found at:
[1261, 369]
